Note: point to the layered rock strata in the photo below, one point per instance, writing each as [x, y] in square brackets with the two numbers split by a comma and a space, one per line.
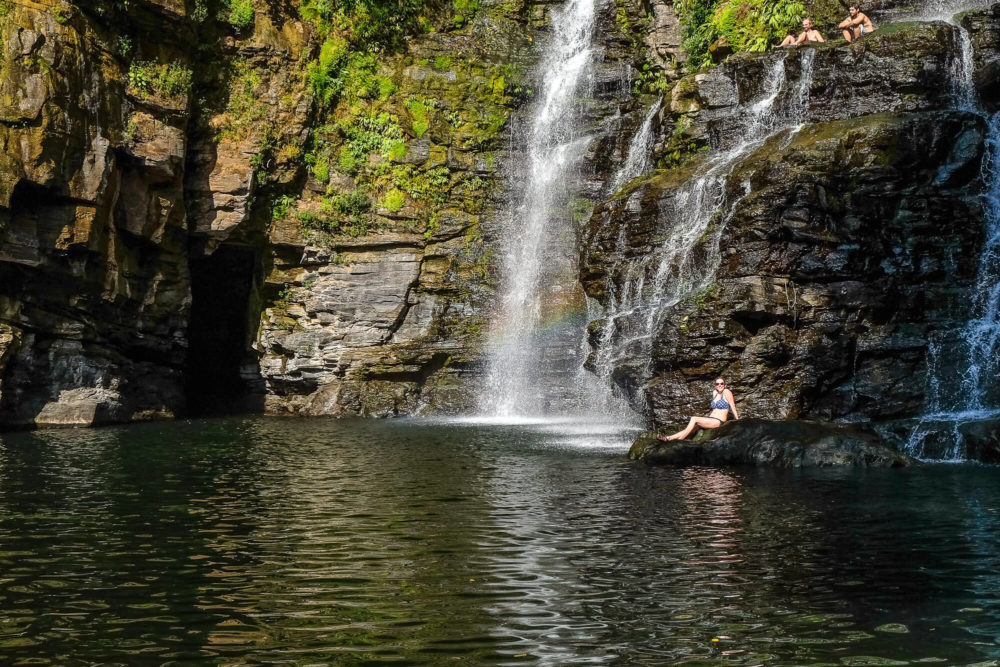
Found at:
[200, 213]
[93, 239]
[840, 245]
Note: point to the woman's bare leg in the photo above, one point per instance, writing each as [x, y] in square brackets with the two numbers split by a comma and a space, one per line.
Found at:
[680, 435]
[693, 425]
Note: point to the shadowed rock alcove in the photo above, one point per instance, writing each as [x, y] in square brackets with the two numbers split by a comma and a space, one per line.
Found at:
[221, 366]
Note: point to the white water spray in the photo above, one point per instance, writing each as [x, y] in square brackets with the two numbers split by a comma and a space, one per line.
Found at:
[960, 374]
[640, 152]
[534, 350]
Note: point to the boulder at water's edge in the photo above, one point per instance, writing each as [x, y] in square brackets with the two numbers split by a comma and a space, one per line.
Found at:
[780, 444]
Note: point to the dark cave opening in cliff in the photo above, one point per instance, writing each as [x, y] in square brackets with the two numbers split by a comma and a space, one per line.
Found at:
[221, 375]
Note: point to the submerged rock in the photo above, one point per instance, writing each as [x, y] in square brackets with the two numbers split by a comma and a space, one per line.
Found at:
[982, 440]
[780, 444]
[945, 439]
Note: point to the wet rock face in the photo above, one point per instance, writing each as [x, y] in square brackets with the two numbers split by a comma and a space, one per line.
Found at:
[984, 33]
[900, 68]
[394, 322]
[787, 444]
[94, 289]
[840, 246]
[849, 251]
[954, 440]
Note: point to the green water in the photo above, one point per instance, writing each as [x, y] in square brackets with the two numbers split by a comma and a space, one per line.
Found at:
[256, 541]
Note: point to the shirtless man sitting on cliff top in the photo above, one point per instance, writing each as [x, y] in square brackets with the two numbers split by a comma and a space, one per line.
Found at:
[809, 33]
[856, 24]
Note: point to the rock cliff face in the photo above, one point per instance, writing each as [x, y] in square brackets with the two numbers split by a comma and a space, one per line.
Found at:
[838, 247]
[204, 211]
[93, 241]
[392, 322]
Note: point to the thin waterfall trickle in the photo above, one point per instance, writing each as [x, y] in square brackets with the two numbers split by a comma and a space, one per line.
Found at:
[956, 373]
[534, 352]
[650, 285]
[640, 152]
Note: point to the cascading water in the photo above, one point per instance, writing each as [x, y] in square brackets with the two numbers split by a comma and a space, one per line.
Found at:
[640, 152]
[944, 10]
[959, 375]
[534, 352]
[651, 284]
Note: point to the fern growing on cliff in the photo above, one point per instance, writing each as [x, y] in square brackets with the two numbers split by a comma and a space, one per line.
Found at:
[746, 25]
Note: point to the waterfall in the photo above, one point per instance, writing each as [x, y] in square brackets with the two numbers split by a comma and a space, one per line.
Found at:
[961, 368]
[943, 10]
[534, 350]
[640, 152]
[650, 285]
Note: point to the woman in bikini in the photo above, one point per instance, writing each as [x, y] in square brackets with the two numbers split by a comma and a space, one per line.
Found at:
[722, 404]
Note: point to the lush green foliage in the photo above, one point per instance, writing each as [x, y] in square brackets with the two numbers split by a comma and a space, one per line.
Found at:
[244, 109]
[747, 25]
[418, 110]
[358, 149]
[394, 201]
[240, 14]
[146, 78]
[377, 24]
[464, 9]
[341, 213]
[282, 206]
[365, 135]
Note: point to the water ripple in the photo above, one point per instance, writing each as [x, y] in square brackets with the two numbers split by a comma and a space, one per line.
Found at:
[260, 541]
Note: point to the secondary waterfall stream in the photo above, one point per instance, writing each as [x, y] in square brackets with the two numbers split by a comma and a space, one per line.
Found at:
[962, 365]
[639, 159]
[653, 283]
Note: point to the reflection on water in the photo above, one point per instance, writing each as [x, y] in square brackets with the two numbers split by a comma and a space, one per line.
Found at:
[336, 542]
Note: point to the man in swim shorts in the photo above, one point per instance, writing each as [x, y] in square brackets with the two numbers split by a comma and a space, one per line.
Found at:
[856, 24]
[809, 33]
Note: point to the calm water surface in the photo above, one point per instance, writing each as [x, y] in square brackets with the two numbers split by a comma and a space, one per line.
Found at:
[257, 541]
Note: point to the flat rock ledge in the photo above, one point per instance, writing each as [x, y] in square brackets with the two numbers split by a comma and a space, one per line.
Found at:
[778, 444]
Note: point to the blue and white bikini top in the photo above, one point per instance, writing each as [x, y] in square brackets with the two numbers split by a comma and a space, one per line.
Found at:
[719, 403]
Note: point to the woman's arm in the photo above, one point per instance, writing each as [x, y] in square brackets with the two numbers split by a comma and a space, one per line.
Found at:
[819, 36]
[801, 38]
[732, 403]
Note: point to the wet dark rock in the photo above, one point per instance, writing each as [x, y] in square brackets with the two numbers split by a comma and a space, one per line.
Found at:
[982, 440]
[947, 439]
[841, 245]
[779, 444]
[899, 68]
[984, 32]
[857, 240]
